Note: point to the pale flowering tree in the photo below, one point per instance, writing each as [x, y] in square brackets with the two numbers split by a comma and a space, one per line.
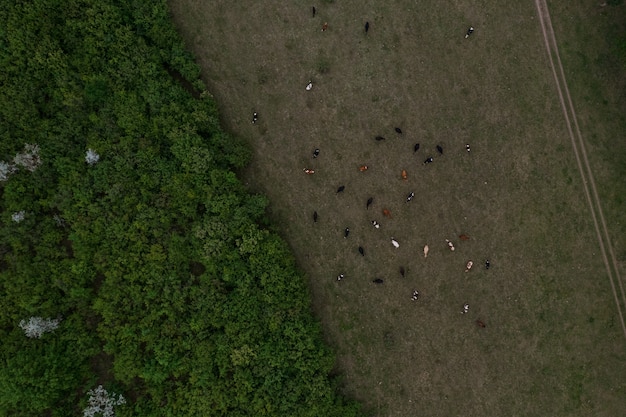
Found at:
[18, 216]
[91, 157]
[60, 221]
[29, 158]
[6, 169]
[35, 327]
[101, 402]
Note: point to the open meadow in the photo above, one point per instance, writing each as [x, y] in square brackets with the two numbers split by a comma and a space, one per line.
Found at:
[553, 342]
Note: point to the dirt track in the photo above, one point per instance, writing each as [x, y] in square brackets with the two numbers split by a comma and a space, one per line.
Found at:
[606, 248]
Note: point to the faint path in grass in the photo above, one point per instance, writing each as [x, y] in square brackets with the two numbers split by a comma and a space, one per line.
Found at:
[581, 158]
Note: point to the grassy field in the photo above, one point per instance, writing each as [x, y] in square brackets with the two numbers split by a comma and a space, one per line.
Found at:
[553, 344]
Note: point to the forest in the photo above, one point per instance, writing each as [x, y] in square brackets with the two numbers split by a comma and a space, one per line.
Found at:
[138, 276]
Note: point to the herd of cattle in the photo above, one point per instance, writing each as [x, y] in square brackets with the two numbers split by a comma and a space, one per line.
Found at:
[416, 147]
[464, 237]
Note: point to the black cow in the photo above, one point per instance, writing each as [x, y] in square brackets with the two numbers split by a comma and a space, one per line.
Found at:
[315, 216]
[369, 202]
[440, 150]
[398, 130]
[416, 147]
[341, 188]
[379, 138]
[367, 26]
[487, 264]
[313, 11]
[361, 251]
[346, 232]
[402, 271]
[378, 281]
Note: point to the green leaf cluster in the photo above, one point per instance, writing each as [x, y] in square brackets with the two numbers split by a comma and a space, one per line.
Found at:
[170, 290]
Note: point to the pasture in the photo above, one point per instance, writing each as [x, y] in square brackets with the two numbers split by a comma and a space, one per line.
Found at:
[552, 342]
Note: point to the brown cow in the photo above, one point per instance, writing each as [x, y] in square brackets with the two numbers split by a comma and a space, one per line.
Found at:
[480, 323]
[309, 171]
[363, 168]
[404, 176]
[387, 213]
[464, 237]
[324, 27]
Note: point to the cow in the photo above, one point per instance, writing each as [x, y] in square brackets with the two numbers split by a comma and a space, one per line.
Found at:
[440, 149]
[255, 117]
[313, 11]
[369, 203]
[426, 249]
[367, 26]
[404, 175]
[315, 217]
[309, 171]
[469, 265]
[395, 243]
[309, 86]
[340, 189]
[398, 130]
[428, 160]
[387, 213]
[487, 264]
[450, 245]
[316, 153]
[402, 271]
[346, 232]
[410, 197]
[469, 32]
[480, 323]
[375, 224]
[324, 27]
[361, 251]
[340, 277]
[416, 147]
[416, 295]
[363, 168]
[378, 281]
[465, 308]
[467, 147]
[464, 237]
[379, 138]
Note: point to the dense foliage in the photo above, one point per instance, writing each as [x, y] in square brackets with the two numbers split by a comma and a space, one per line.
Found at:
[129, 249]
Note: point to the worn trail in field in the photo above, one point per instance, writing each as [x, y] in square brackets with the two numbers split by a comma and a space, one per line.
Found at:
[578, 143]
